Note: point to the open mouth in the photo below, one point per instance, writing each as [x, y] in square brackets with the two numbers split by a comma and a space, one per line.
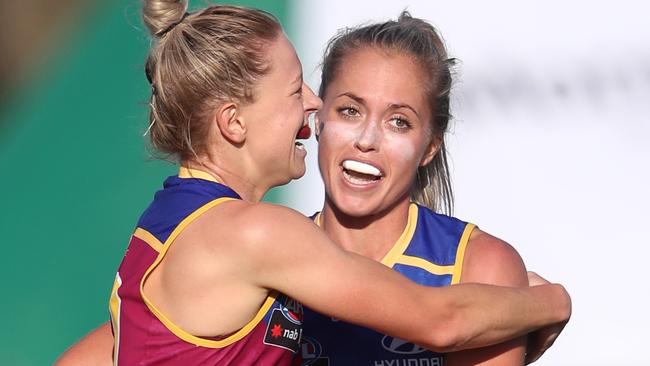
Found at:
[357, 172]
[303, 134]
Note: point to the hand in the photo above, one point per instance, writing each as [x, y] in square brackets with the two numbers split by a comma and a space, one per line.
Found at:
[542, 339]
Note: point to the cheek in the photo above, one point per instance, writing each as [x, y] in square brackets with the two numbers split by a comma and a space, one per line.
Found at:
[333, 138]
[334, 135]
[404, 152]
[337, 130]
[289, 113]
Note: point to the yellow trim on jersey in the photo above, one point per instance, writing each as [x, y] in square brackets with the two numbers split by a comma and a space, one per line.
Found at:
[425, 265]
[114, 306]
[185, 172]
[148, 238]
[460, 253]
[402, 243]
[180, 333]
[317, 219]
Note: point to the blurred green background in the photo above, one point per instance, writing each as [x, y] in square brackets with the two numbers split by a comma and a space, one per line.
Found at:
[76, 173]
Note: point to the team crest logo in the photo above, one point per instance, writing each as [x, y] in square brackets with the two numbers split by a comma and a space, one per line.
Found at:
[291, 316]
[292, 309]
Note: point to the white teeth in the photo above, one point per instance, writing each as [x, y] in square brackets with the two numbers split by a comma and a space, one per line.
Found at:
[356, 180]
[359, 167]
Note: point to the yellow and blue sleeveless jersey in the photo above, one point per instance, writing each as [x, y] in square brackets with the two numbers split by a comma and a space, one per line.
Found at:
[430, 252]
[145, 336]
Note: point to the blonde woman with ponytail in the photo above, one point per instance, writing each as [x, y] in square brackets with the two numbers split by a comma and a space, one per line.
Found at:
[212, 276]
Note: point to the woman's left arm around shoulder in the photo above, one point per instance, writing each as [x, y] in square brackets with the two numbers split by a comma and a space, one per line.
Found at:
[491, 260]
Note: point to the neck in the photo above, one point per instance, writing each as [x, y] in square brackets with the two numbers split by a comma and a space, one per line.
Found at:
[371, 236]
[235, 180]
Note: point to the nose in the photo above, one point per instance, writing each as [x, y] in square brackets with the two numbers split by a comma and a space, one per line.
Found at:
[310, 102]
[368, 136]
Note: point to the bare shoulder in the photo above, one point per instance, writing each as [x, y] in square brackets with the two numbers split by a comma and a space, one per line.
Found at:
[491, 250]
[253, 226]
[252, 219]
[266, 243]
[269, 217]
[237, 238]
[228, 257]
[489, 259]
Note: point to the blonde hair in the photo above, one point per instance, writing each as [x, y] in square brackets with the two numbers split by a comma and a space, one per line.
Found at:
[197, 62]
[418, 39]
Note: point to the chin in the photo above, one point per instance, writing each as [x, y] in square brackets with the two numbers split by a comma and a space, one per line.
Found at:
[298, 172]
[354, 207]
[289, 174]
[297, 176]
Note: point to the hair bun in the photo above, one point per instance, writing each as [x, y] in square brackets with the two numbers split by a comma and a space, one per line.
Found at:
[160, 15]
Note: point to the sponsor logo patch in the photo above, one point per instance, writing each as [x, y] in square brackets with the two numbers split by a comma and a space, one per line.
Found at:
[400, 346]
[411, 354]
[284, 329]
[436, 361]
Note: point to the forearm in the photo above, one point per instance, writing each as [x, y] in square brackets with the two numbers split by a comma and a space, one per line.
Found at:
[487, 315]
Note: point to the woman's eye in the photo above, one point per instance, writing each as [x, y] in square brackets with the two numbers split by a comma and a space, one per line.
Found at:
[399, 123]
[349, 111]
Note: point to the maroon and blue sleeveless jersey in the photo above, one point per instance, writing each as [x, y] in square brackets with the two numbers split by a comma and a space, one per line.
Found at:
[430, 252]
[144, 336]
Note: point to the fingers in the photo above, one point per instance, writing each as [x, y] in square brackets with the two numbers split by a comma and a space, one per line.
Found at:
[536, 280]
[541, 340]
[535, 355]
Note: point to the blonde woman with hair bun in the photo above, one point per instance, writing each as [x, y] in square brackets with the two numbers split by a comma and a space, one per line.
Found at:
[213, 276]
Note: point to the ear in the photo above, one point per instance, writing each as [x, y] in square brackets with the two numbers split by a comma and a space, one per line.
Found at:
[431, 151]
[230, 123]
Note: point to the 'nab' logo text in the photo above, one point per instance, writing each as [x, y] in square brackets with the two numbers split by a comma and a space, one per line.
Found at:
[284, 330]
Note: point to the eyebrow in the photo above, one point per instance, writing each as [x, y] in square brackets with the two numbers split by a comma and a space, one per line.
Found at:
[403, 105]
[356, 98]
[360, 100]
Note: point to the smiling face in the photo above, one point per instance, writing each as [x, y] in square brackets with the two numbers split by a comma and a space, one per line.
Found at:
[277, 116]
[374, 131]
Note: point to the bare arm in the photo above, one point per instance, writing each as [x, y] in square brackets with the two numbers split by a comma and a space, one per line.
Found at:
[359, 290]
[95, 349]
[542, 339]
[287, 252]
[492, 261]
